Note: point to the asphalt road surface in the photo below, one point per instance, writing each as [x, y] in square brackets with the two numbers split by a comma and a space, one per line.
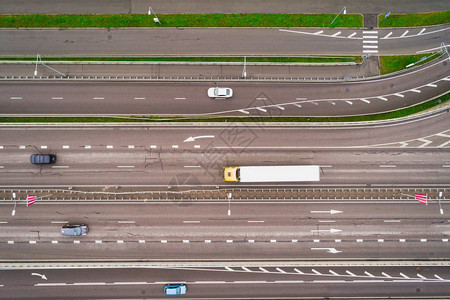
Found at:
[252, 99]
[218, 6]
[222, 41]
[251, 282]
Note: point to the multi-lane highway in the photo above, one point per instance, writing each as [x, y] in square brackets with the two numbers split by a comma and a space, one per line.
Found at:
[232, 41]
[250, 98]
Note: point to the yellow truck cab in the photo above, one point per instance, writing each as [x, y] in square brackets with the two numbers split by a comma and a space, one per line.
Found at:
[230, 174]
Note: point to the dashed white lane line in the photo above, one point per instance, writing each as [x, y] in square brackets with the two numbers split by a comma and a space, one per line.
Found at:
[98, 98]
[404, 276]
[185, 241]
[109, 146]
[59, 222]
[125, 166]
[139, 98]
[391, 221]
[380, 240]
[421, 276]
[163, 241]
[229, 241]
[54, 242]
[438, 277]
[32, 242]
[273, 241]
[445, 240]
[43, 147]
[98, 242]
[130, 146]
[207, 241]
[1, 147]
[191, 221]
[316, 241]
[2, 167]
[3, 222]
[423, 240]
[126, 222]
[249, 221]
[402, 240]
[60, 167]
[294, 241]
[141, 241]
[180, 98]
[192, 166]
[76, 242]
[387, 166]
[368, 274]
[446, 166]
[359, 240]
[10, 242]
[174, 146]
[152, 146]
[57, 98]
[327, 221]
[16, 98]
[387, 35]
[66, 147]
[89, 283]
[251, 241]
[87, 147]
[197, 146]
[119, 241]
[22, 147]
[129, 283]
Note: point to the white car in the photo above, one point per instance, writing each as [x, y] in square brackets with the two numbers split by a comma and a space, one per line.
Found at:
[217, 92]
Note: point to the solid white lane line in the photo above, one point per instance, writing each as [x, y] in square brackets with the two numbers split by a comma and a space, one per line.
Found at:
[125, 166]
[391, 221]
[89, 283]
[255, 221]
[50, 284]
[65, 147]
[387, 35]
[264, 270]
[126, 222]
[58, 222]
[191, 221]
[98, 98]
[60, 167]
[404, 33]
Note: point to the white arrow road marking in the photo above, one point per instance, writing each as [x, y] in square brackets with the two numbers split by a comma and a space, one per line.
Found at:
[192, 139]
[332, 211]
[40, 275]
[332, 230]
[329, 250]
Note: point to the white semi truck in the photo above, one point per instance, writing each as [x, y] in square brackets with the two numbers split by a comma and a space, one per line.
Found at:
[271, 173]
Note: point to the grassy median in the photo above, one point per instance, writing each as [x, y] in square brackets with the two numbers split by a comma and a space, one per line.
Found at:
[155, 119]
[425, 19]
[389, 64]
[181, 20]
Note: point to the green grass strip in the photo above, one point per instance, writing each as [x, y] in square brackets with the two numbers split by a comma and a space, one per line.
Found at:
[425, 19]
[181, 20]
[250, 59]
[389, 64]
[154, 119]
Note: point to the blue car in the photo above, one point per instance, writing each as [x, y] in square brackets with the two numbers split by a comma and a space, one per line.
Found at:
[175, 289]
[74, 230]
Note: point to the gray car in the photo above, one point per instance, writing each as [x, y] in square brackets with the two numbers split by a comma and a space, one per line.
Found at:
[39, 159]
[74, 230]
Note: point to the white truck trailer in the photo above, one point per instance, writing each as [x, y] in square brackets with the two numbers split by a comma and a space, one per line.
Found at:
[272, 173]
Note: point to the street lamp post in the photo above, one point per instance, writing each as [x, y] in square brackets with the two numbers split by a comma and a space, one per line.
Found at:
[343, 11]
[439, 201]
[244, 71]
[39, 60]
